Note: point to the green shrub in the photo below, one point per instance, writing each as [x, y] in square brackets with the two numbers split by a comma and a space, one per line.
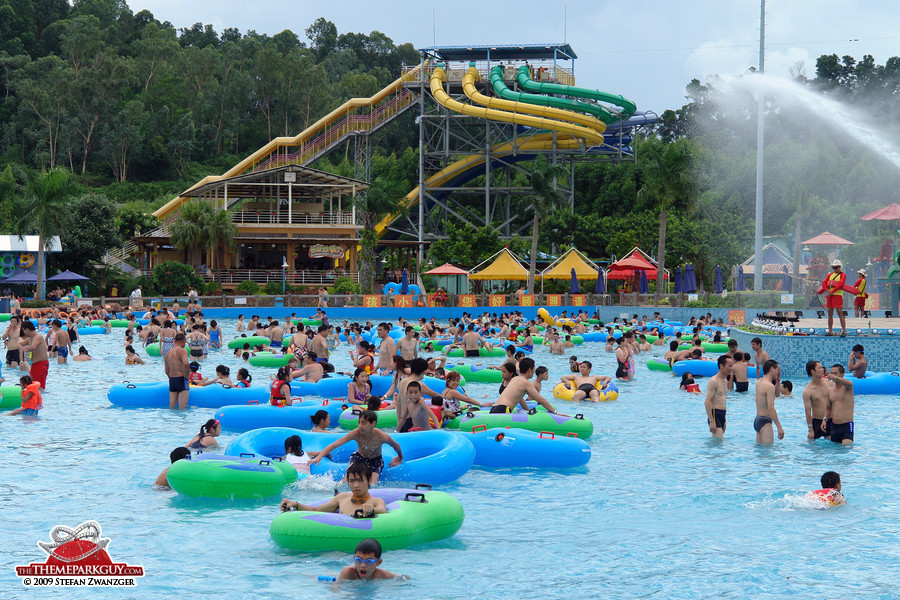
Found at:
[212, 288]
[173, 278]
[37, 303]
[274, 288]
[345, 285]
[248, 287]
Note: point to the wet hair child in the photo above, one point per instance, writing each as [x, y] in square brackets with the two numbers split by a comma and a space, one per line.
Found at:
[688, 384]
[366, 560]
[195, 377]
[321, 421]
[31, 398]
[244, 379]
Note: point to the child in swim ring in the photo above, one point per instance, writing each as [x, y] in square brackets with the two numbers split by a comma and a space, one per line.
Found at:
[688, 385]
[31, 398]
[830, 493]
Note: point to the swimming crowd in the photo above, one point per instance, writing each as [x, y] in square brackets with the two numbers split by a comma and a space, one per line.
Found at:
[828, 398]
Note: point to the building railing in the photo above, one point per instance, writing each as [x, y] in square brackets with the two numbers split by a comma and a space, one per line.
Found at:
[254, 217]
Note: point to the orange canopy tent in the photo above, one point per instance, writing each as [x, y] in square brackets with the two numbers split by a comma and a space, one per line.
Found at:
[827, 239]
[634, 261]
[891, 212]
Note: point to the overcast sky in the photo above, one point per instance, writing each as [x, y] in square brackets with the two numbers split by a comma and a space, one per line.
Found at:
[647, 51]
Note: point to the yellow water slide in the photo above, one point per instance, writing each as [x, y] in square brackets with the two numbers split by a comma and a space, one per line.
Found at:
[330, 122]
[472, 76]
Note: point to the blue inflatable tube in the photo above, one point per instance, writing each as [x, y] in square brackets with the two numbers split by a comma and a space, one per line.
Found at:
[595, 336]
[877, 383]
[144, 322]
[90, 330]
[249, 417]
[156, 395]
[434, 457]
[336, 387]
[512, 448]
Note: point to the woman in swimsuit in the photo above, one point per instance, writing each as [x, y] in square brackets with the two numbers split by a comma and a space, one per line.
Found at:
[358, 389]
[321, 421]
[167, 338]
[222, 377]
[131, 357]
[215, 335]
[195, 342]
[400, 371]
[209, 431]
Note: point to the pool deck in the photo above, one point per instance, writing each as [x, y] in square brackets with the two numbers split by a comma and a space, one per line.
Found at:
[853, 324]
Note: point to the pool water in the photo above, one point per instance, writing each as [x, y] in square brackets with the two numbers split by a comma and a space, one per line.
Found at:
[661, 511]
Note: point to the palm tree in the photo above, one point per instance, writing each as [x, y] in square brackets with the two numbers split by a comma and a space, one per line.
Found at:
[669, 182]
[542, 178]
[381, 199]
[201, 226]
[44, 210]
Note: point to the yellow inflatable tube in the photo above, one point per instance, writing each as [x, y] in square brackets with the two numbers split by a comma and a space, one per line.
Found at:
[546, 318]
[566, 391]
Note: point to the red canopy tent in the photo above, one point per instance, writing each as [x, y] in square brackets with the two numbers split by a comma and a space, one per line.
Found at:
[625, 268]
[888, 213]
[827, 239]
[446, 269]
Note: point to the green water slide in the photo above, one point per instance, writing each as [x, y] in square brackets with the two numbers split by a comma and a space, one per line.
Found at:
[507, 94]
[523, 76]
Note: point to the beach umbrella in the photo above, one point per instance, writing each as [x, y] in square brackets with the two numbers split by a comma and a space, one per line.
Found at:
[404, 283]
[690, 280]
[25, 277]
[786, 280]
[891, 212]
[644, 285]
[68, 276]
[718, 285]
[741, 287]
[679, 283]
[601, 284]
[573, 286]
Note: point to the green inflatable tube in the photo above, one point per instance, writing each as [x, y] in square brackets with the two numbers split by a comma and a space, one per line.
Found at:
[153, 349]
[5, 317]
[576, 339]
[658, 364]
[539, 421]
[386, 418]
[119, 322]
[10, 396]
[308, 322]
[501, 90]
[484, 352]
[268, 359]
[539, 328]
[523, 76]
[253, 340]
[482, 374]
[216, 476]
[720, 348]
[416, 517]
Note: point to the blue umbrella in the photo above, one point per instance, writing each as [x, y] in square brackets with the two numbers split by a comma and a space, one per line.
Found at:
[690, 280]
[644, 285]
[573, 286]
[68, 276]
[679, 285]
[718, 284]
[741, 287]
[786, 280]
[601, 284]
[24, 277]
[404, 283]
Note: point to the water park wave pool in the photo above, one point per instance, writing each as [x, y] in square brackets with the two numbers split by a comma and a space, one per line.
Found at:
[660, 511]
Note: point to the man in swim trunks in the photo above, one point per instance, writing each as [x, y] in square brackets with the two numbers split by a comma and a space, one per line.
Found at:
[369, 441]
[765, 404]
[312, 370]
[408, 347]
[739, 372]
[834, 294]
[178, 369]
[517, 388]
[815, 401]
[386, 350]
[276, 336]
[715, 403]
[840, 407]
[30, 341]
[585, 383]
[63, 342]
[11, 336]
[556, 346]
[760, 356]
[472, 341]
[858, 363]
[320, 344]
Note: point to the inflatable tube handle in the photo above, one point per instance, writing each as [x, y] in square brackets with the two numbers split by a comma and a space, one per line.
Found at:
[499, 437]
[572, 434]
[550, 433]
[355, 412]
[415, 497]
[415, 429]
[579, 416]
[226, 386]
[359, 514]
[130, 386]
[325, 402]
[247, 454]
[253, 402]
[423, 486]
[478, 428]
[470, 414]
[533, 411]
[895, 374]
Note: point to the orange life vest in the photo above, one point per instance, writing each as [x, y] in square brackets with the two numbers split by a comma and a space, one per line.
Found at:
[276, 397]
